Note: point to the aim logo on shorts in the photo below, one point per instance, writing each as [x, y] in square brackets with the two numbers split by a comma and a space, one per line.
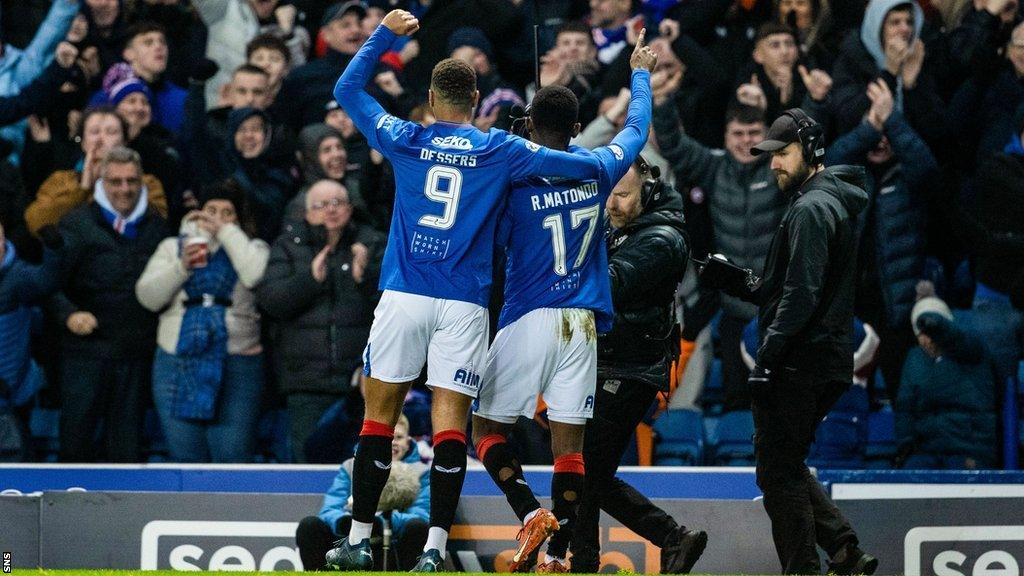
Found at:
[467, 378]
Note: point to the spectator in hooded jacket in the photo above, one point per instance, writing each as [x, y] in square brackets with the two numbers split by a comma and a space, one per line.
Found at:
[405, 503]
[108, 337]
[889, 48]
[322, 156]
[64, 190]
[946, 414]
[900, 170]
[321, 288]
[208, 369]
[244, 154]
[745, 207]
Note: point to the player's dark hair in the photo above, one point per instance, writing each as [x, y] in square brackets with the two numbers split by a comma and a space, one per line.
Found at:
[454, 83]
[743, 114]
[554, 111]
[270, 42]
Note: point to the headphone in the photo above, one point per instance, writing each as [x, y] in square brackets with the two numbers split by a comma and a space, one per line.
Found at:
[811, 135]
[652, 185]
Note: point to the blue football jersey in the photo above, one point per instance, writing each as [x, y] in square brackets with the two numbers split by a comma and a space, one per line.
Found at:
[451, 181]
[553, 228]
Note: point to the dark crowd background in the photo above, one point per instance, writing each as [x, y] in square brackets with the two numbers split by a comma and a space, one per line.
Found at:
[125, 342]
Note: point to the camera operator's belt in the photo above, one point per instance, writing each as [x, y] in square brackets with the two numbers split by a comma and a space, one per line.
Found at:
[208, 300]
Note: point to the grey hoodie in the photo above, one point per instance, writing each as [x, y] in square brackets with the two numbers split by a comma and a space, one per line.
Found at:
[871, 26]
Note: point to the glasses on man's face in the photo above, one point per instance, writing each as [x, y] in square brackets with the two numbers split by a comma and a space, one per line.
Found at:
[333, 203]
[122, 182]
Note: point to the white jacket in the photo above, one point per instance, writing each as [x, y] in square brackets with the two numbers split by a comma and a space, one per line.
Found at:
[160, 288]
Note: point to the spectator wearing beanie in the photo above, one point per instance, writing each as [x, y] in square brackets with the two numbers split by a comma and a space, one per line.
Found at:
[496, 96]
[64, 190]
[145, 51]
[133, 101]
[208, 369]
[946, 413]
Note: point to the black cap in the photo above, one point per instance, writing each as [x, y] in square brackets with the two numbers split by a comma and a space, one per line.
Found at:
[339, 9]
[782, 133]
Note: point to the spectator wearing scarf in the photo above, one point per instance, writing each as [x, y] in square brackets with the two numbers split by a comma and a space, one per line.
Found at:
[107, 343]
[208, 368]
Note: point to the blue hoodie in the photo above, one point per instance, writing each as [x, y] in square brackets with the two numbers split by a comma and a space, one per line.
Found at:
[336, 499]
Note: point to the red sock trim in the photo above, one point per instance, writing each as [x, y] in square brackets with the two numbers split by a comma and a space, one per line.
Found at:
[571, 463]
[373, 428]
[485, 444]
[445, 435]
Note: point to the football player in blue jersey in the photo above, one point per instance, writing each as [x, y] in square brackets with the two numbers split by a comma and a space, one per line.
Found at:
[557, 298]
[451, 181]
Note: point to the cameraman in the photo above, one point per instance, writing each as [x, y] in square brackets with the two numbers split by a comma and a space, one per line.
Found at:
[647, 256]
[803, 361]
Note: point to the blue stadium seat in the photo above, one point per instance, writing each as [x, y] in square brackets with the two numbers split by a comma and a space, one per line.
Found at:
[713, 394]
[841, 437]
[679, 438]
[272, 444]
[733, 440]
[44, 427]
[881, 447]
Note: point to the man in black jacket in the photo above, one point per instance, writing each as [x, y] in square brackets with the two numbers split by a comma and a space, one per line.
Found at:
[803, 362]
[108, 337]
[647, 256]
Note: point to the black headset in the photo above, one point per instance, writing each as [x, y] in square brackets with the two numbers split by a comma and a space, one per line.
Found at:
[811, 135]
[652, 185]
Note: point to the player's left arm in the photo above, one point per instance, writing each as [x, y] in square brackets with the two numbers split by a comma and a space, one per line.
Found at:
[620, 154]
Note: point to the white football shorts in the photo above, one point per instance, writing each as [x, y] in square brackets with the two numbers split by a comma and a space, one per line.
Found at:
[549, 351]
[409, 329]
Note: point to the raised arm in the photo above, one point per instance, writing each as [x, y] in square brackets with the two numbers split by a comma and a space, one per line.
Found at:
[633, 137]
[350, 92]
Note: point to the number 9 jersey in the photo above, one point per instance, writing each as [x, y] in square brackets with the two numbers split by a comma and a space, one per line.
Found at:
[450, 186]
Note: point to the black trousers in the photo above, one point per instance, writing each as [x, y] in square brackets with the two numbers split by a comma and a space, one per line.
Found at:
[734, 371]
[111, 392]
[802, 514]
[619, 405]
[314, 538]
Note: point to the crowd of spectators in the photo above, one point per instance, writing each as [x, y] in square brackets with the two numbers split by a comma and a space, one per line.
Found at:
[191, 224]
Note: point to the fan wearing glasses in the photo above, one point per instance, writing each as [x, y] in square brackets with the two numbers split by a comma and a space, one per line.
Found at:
[321, 288]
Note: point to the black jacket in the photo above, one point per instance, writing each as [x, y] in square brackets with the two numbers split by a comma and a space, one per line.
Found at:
[807, 289]
[98, 271]
[646, 261]
[321, 328]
